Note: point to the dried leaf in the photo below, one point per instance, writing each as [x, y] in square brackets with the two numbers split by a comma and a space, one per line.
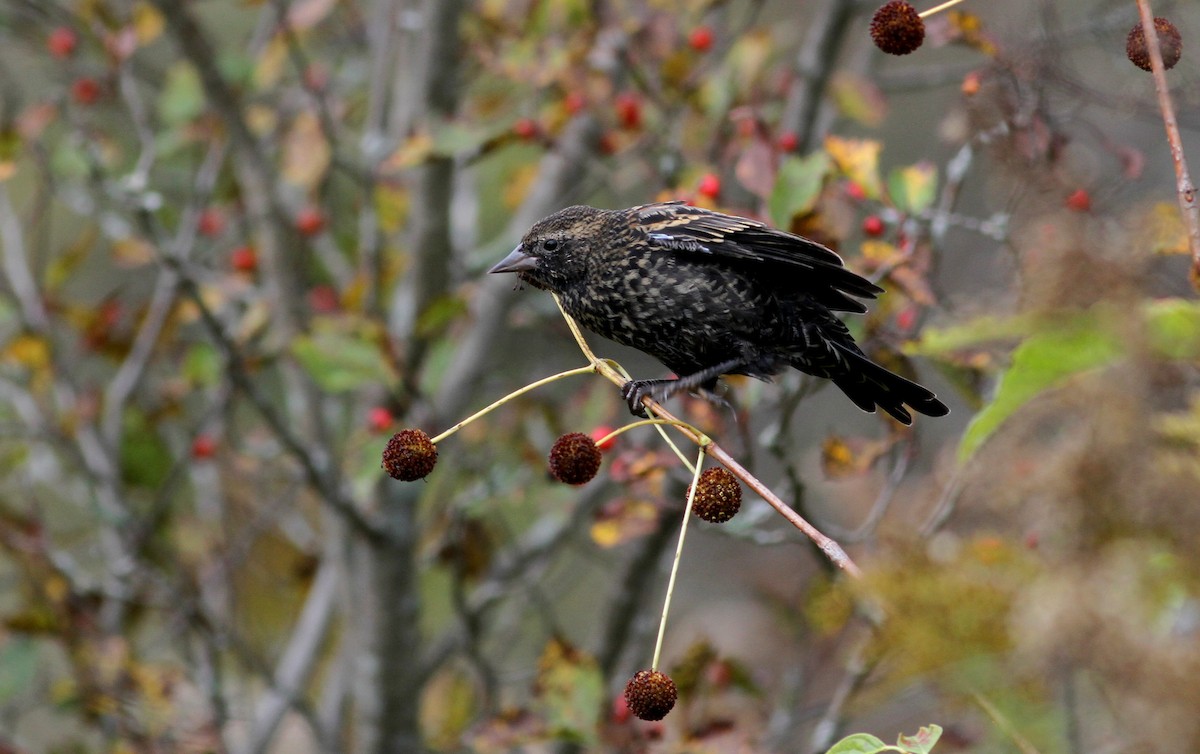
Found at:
[858, 160]
[306, 154]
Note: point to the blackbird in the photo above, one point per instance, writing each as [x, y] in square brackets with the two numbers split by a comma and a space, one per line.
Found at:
[709, 294]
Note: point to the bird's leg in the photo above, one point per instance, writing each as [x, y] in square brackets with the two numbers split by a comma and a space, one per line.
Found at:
[660, 390]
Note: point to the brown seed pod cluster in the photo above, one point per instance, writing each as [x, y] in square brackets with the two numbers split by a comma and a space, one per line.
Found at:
[897, 29]
[409, 455]
[1170, 44]
[574, 458]
[650, 694]
[718, 495]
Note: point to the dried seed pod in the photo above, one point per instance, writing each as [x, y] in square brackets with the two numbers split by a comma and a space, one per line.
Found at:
[574, 458]
[409, 455]
[718, 495]
[650, 694]
[1170, 44]
[897, 29]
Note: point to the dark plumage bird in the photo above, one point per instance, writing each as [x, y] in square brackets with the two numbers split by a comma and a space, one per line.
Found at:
[709, 294]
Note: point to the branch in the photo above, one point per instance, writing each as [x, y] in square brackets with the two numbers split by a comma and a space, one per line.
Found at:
[1183, 181]
[299, 658]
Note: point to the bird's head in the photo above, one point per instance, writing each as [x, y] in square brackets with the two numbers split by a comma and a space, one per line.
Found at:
[554, 253]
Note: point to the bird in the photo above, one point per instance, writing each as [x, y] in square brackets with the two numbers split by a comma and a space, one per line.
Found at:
[710, 294]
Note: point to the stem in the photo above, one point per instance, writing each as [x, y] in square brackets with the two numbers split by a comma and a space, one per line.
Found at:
[643, 423]
[687, 514]
[515, 394]
[1183, 181]
[938, 8]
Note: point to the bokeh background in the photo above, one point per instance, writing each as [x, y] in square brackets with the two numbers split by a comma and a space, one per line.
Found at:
[243, 242]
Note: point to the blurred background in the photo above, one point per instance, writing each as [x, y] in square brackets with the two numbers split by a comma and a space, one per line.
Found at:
[243, 242]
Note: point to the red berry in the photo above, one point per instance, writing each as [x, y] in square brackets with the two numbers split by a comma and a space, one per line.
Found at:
[574, 102]
[855, 191]
[211, 222]
[244, 259]
[1079, 201]
[873, 226]
[599, 433]
[62, 42]
[710, 186]
[204, 446]
[526, 128]
[788, 141]
[86, 90]
[906, 318]
[323, 299]
[701, 38]
[379, 419]
[310, 222]
[629, 110]
[620, 710]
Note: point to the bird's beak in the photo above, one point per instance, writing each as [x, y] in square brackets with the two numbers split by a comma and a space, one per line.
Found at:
[517, 261]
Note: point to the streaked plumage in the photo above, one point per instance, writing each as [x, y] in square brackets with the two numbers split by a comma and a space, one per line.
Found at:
[709, 294]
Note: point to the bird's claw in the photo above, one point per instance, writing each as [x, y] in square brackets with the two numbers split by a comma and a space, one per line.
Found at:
[633, 392]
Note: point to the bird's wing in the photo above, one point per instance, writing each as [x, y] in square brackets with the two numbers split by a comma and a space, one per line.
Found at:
[679, 228]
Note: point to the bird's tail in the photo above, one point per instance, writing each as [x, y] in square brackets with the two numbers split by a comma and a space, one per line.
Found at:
[870, 385]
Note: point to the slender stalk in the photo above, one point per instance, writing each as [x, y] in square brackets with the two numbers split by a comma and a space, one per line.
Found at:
[1184, 187]
[939, 8]
[687, 516]
[515, 394]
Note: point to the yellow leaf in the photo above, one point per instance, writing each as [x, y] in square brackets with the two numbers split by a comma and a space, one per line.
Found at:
[270, 63]
[415, 150]
[261, 119]
[879, 253]
[622, 521]
[519, 184]
[1164, 229]
[858, 160]
[133, 252]
[147, 23]
[306, 154]
[28, 351]
[391, 206]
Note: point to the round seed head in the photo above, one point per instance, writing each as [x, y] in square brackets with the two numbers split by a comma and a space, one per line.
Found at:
[897, 29]
[409, 455]
[574, 458]
[650, 694]
[1170, 44]
[718, 495]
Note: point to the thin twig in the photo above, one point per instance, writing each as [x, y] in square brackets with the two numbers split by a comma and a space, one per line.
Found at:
[1183, 180]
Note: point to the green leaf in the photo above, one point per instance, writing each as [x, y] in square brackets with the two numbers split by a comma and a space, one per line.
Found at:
[1044, 361]
[914, 187]
[342, 361]
[858, 98]
[18, 665]
[1174, 325]
[859, 743]
[797, 187]
[923, 741]
[202, 364]
[570, 691]
[145, 458]
[182, 97]
[939, 341]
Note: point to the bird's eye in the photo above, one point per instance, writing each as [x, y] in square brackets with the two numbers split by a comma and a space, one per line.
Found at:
[550, 244]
